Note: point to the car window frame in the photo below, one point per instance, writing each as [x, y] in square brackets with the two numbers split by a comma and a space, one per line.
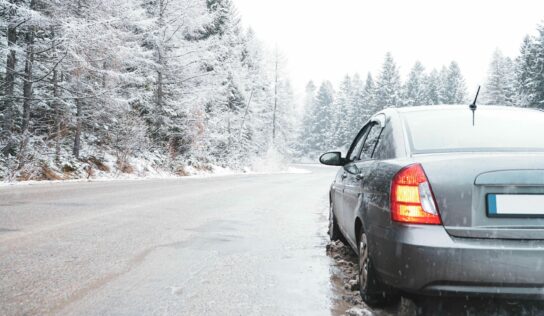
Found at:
[381, 127]
[361, 136]
[363, 133]
[378, 119]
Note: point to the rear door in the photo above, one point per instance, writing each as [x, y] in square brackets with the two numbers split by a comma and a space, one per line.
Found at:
[356, 171]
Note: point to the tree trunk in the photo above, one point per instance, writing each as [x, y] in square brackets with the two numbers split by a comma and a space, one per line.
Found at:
[27, 85]
[9, 84]
[246, 114]
[159, 90]
[160, 60]
[159, 105]
[58, 114]
[77, 136]
[56, 95]
[275, 101]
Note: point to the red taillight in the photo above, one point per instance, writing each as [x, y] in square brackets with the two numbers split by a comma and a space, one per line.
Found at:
[412, 200]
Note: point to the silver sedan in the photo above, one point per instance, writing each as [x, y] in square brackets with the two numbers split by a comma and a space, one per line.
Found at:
[439, 200]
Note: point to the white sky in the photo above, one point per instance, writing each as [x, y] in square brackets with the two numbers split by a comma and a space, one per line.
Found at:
[325, 39]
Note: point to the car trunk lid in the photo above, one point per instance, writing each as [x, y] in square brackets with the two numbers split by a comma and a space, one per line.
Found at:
[493, 195]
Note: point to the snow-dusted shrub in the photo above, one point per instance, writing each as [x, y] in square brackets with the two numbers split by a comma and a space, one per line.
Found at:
[129, 139]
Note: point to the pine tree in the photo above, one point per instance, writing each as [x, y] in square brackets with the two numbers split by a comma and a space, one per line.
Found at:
[443, 86]
[525, 63]
[536, 83]
[343, 113]
[322, 115]
[284, 142]
[309, 96]
[500, 85]
[370, 104]
[388, 87]
[433, 88]
[454, 91]
[304, 135]
[360, 109]
[415, 90]
[510, 92]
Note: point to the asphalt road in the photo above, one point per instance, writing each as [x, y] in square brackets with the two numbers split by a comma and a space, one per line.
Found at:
[233, 245]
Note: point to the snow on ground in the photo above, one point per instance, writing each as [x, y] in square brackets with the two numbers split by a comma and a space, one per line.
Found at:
[147, 168]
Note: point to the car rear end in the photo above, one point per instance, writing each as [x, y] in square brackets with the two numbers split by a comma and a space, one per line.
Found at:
[486, 185]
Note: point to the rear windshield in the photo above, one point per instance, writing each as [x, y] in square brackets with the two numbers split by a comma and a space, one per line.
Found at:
[495, 129]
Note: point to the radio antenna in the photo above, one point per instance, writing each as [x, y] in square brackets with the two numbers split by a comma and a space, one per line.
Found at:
[473, 106]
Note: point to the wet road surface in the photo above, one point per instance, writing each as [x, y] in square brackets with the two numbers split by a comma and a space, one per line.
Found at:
[234, 245]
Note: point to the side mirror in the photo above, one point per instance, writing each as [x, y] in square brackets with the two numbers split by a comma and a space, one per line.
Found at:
[333, 158]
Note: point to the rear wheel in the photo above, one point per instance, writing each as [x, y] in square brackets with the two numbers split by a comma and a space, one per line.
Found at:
[334, 230]
[373, 291]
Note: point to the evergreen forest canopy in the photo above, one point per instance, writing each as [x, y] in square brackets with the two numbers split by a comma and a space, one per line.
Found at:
[106, 84]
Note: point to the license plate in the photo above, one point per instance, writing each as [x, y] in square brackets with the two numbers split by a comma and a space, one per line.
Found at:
[515, 205]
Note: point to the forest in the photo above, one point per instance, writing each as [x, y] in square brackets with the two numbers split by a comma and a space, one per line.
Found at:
[333, 117]
[90, 87]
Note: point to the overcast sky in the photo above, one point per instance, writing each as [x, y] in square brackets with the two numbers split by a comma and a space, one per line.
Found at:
[325, 39]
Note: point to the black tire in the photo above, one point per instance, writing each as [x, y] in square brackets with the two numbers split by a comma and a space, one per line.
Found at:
[373, 291]
[334, 230]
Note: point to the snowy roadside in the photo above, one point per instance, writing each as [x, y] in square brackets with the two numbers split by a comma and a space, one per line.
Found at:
[107, 168]
[157, 174]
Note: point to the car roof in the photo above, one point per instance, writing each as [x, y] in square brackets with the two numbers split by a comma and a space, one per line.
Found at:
[457, 107]
[398, 112]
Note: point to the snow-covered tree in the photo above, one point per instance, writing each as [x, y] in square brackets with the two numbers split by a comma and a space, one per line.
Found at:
[304, 144]
[415, 89]
[531, 70]
[433, 88]
[344, 111]
[501, 82]
[454, 88]
[321, 120]
[388, 86]
[360, 107]
[282, 124]
[369, 97]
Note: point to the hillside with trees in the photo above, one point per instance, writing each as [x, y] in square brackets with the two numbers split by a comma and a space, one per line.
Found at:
[130, 86]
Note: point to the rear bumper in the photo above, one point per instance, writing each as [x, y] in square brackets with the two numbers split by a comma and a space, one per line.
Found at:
[426, 260]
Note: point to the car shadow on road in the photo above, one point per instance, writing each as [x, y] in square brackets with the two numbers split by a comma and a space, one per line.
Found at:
[347, 301]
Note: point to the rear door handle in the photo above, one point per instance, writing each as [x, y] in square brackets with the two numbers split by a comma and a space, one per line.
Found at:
[344, 175]
[359, 177]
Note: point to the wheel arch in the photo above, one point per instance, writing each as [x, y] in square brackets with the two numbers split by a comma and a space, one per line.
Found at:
[358, 229]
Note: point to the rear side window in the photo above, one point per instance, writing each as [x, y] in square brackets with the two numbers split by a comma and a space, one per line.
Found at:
[371, 142]
[385, 149]
[359, 144]
[495, 129]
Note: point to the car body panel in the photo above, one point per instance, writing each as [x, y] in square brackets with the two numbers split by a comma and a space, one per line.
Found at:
[461, 197]
[427, 259]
